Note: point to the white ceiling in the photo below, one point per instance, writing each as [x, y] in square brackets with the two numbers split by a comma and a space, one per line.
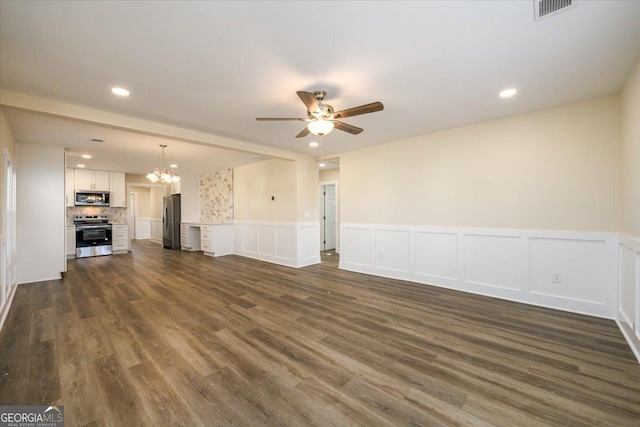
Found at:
[216, 66]
[121, 150]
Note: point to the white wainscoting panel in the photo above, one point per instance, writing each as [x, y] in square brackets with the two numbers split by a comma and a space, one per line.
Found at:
[308, 244]
[578, 262]
[510, 264]
[628, 316]
[143, 228]
[285, 242]
[355, 246]
[392, 250]
[156, 230]
[491, 260]
[436, 255]
[248, 238]
[291, 244]
[267, 240]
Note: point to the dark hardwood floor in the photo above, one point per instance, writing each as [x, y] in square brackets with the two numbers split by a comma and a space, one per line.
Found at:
[174, 338]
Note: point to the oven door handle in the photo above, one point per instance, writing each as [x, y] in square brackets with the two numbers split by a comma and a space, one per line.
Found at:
[93, 227]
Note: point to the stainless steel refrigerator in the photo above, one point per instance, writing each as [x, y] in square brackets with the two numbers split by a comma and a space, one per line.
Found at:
[171, 221]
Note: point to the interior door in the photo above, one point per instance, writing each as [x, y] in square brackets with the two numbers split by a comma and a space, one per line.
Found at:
[329, 216]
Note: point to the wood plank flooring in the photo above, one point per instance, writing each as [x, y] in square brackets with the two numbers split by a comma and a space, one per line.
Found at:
[161, 337]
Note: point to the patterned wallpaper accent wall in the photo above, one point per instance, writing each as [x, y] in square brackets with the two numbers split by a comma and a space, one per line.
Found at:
[216, 197]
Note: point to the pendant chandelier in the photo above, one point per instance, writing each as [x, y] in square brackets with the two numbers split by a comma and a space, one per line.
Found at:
[163, 174]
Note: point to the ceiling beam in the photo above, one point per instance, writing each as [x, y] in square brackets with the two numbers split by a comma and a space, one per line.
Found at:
[93, 116]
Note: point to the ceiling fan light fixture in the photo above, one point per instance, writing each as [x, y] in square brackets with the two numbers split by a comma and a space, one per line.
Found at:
[320, 127]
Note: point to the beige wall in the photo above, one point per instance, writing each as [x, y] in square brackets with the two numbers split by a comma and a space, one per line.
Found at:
[143, 201]
[552, 169]
[307, 184]
[631, 154]
[294, 184]
[330, 175]
[6, 141]
[136, 179]
[255, 184]
[155, 201]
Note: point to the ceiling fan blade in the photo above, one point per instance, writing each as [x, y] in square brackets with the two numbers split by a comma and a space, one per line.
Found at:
[309, 100]
[272, 119]
[303, 133]
[356, 111]
[353, 130]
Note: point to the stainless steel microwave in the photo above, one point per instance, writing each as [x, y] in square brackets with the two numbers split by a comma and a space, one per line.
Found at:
[92, 198]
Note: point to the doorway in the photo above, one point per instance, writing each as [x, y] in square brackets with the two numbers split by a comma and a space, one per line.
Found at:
[328, 216]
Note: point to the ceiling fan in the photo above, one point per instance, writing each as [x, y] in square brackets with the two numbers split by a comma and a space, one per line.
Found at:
[321, 119]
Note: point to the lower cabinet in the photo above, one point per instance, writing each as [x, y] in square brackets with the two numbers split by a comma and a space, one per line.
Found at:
[71, 241]
[216, 240]
[120, 238]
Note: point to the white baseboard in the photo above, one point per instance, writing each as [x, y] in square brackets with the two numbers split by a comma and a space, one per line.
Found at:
[631, 338]
[516, 265]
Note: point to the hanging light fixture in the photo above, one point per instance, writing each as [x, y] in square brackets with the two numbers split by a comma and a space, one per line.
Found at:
[320, 127]
[163, 174]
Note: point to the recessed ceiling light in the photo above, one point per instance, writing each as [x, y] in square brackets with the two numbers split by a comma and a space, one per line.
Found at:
[508, 92]
[80, 166]
[322, 165]
[120, 91]
[86, 156]
[173, 166]
[313, 144]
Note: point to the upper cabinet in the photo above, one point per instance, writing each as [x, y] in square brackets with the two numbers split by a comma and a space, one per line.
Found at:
[90, 180]
[175, 187]
[118, 190]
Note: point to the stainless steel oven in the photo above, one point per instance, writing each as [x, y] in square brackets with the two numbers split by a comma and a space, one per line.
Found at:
[93, 235]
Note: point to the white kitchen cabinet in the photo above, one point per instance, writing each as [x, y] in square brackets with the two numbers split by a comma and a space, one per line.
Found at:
[120, 238]
[175, 187]
[69, 187]
[216, 239]
[90, 180]
[71, 241]
[118, 190]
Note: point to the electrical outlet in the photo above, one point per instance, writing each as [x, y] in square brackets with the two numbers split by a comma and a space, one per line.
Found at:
[556, 277]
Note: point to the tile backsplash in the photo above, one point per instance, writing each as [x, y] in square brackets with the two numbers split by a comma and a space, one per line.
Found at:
[115, 215]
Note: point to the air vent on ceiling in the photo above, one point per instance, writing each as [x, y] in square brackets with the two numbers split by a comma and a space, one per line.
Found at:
[545, 8]
[96, 140]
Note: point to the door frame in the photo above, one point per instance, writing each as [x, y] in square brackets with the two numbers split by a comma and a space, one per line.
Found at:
[321, 227]
[132, 214]
[132, 227]
[8, 239]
